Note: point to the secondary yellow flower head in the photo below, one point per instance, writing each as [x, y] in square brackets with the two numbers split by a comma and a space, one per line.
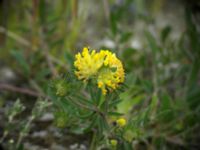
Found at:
[103, 66]
[113, 142]
[121, 122]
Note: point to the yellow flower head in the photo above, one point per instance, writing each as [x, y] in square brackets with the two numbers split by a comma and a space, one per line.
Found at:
[113, 142]
[121, 122]
[103, 66]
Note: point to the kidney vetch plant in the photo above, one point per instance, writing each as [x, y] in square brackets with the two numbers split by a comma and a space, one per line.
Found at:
[88, 105]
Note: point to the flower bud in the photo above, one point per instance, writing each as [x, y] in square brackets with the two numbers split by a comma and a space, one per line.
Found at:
[113, 142]
[61, 119]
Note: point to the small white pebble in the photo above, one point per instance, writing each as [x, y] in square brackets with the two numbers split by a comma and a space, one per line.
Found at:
[40, 134]
[74, 146]
[82, 147]
[47, 117]
[11, 141]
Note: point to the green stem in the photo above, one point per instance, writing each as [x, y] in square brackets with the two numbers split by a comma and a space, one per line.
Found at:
[93, 145]
[24, 132]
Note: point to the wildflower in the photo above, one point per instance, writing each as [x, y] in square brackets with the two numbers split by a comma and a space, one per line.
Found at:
[121, 122]
[113, 142]
[87, 64]
[102, 66]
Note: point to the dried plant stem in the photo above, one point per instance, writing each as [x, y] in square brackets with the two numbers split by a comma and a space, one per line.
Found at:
[26, 91]
[15, 37]
[47, 55]
[74, 9]
[106, 9]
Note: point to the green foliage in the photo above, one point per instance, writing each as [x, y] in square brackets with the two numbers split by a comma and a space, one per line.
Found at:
[160, 98]
[21, 61]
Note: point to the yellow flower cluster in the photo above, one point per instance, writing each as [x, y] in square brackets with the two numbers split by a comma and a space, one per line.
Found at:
[103, 66]
[121, 122]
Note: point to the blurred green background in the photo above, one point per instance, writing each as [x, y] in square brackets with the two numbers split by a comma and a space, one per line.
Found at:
[158, 42]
